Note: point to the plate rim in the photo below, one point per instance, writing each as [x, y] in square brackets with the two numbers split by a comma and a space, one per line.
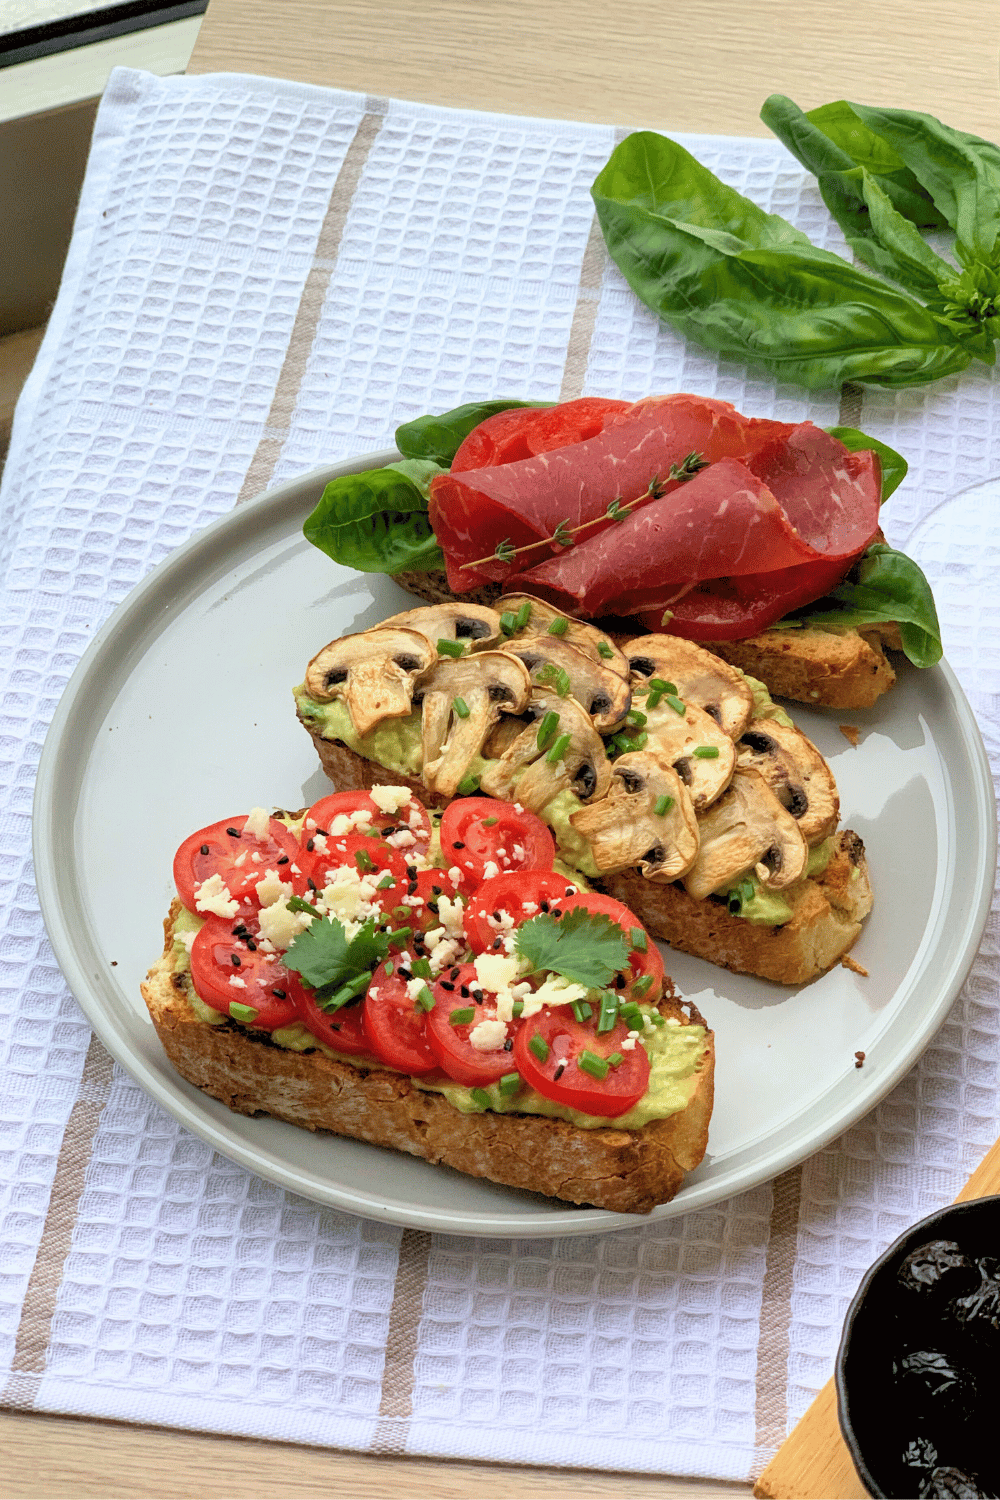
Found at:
[172, 1092]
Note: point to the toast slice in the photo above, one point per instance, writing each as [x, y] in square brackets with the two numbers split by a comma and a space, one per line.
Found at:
[835, 669]
[626, 1171]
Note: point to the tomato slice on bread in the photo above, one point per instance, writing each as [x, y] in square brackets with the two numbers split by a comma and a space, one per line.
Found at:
[453, 1023]
[512, 899]
[394, 1024]
[341, 1029]
[238, 857]
[644, 980]
[409, 822]
[567, 1061]
[484, 838]
[234, 976]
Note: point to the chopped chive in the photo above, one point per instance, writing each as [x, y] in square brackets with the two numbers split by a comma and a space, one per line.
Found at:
[346, 992]
[558, 750]
[517, 1009]
[364, 861]
[468, 785]
[676, 704]
[657, 1019]
[662, 685]
[540, 1047]
[425, 999]
[400, 935]
[562, 683]
[450, 648]
[577, 1009]
[707, 752]
[654, 698]
[662, 805]
[461, 707]
[547, 728]
[640, 942]
[510, 1083]
[386, 882]
[242, 1012]
[608, 1018]
[616, 1059]
[401, 911]
[587, 1008]
[523, 616]
[463, 1015]
[642, 985]
[490, 822]
[636, 719]
[589, 1062]
[508, 622]
[558, 626]
[480, 1097]
[389, 968]
[421, 968]
[603, 649]
[631, 1013]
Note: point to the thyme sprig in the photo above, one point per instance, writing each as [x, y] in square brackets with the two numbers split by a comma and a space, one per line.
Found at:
[565, 535]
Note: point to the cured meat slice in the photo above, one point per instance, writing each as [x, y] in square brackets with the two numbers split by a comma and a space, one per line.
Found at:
[731, 609]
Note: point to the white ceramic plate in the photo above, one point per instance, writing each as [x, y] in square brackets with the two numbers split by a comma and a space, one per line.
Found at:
[180, 713]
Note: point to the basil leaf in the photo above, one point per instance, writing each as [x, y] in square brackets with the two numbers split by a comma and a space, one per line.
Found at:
[832, 141]
[439, 438]
[377, 521]
[960, 171]
[889, 589]
[893, 464]
[916, 264]
[750, 286]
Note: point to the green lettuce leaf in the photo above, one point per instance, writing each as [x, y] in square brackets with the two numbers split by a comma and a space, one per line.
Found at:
[887, 588]
[377, 521]
[894, 465]
[439, 438]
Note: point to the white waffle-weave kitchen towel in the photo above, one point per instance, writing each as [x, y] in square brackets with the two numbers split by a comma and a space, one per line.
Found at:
[264, 277]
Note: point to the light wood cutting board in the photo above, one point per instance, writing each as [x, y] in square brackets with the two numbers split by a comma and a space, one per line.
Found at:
[813, 1462]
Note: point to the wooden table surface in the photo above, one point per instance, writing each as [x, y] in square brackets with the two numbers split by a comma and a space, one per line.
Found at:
[704, 65]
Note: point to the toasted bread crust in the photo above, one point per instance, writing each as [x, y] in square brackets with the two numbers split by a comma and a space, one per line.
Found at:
[836, 669]
[627, 1171]
[827, 910]
[827, 913]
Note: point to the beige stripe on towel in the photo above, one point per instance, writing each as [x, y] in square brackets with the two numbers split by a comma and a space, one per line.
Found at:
[773, 1348]
[401, 1344]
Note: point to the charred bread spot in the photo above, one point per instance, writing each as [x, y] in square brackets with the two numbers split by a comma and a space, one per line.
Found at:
[853, 846]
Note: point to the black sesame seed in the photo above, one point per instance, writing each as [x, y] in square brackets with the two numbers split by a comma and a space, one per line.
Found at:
[455, 972]
[411, 889]
[251, 944]
[436, 890]
[234, 833]
[311, 845]
[496, 916]
[283, 860]
[412, 872]
[477, 995]
[559, 1071]
[204, 849]
[464, 992]
[544, 905]
[324, 831]
[458, 844]
[236, 960]
[311, 883]
[404, 973]
[497, 943]
[619, 981]
[446, 984]
[508, 1045]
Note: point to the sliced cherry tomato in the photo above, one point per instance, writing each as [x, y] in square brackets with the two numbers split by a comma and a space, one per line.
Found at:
[547, 1052]
[450, 1042]
[225, 850]
[411, 822]
[512, 898]
[643, 963]
[394, 1026]
[342, 1029]
[228, 970]
[477, 832]
[368, 853]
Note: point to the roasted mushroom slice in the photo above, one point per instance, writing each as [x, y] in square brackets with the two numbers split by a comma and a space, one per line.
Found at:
[646, 819]
[542, 618]
[470, 625]
[374, 672]
[796, 773]
[462, 699]
[747, 832]
[688, 739]
[698, 676]
[555, 665]
[559, 751]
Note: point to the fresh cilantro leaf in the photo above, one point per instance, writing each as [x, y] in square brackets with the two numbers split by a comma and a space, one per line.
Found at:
[326, 960]
[588, 948]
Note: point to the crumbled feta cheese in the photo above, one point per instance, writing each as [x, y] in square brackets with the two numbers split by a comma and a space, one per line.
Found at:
[628, 1045]
[529, 908]
[257, 823]
[240, 860]
[413, 987]
[272, 888]
[444, 953]
[519, 853]
[389, 799]
[212, 896]
[488, 1036]
[452, 915]
[455, 875]
[673, 1021]
[490, 870]
[187, 938]
[495, 971]
[373, 991]
[401, 840]
[555, 991]
[257, 858]
[518, 808]
[319, 842]
[237, 982]
[348, 822]
[280, 926]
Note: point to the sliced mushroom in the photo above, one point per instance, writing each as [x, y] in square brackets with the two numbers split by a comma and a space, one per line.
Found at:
[462, 699]
[473, 625]
[526, 773]
[585, 637]
[374, 672]
[701, 753]
[747, 831]
[646, 819]
[796, 773]
[698, 676]
[606, 696]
